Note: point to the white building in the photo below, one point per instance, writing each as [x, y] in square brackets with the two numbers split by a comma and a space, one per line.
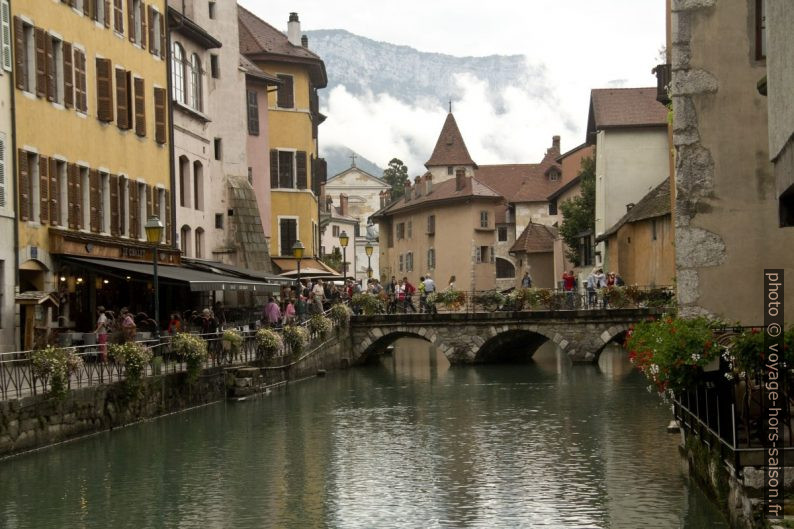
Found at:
[363, 192]
[8, 340]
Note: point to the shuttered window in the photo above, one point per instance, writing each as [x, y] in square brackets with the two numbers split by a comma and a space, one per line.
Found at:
[135, 210]
[169, 226]
[41, 62]
[22, 59]
[273, 168]
[123, 107]
[104, 88]
[54, 192]
[159, 115]
[3, 171]
[140, 107]
[5, 22]
[431, 224]
[95, 200]
[75, 195]
[80, 97]
[143, 25]
[288, 234]
[253, 113]
[23, 184]
[68, 75]
[300, 169]
[285, 179]
[118, 16]
[44, 189]
[285, 96]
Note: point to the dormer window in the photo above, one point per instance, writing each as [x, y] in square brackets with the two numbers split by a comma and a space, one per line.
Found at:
[553, 174]
[450, 170]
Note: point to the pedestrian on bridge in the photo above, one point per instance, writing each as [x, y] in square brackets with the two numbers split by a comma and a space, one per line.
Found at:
[410, 290]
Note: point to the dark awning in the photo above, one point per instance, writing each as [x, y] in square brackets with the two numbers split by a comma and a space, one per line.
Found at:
[198, 281]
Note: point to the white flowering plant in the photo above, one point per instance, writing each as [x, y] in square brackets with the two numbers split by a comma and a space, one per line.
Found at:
[320, 325]
[340, 314]
[55, 365]
[269, 342]
[295, 337]
[192, 350]
[134, 356]
[232, 341]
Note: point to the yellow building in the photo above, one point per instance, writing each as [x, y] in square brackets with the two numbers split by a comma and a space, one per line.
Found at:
[296, 171]
[92, 147]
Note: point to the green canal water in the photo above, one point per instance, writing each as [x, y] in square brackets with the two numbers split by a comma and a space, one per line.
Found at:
[409, 442]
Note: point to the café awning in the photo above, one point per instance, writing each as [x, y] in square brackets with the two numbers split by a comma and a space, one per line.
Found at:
[308, 266]
[198, 281]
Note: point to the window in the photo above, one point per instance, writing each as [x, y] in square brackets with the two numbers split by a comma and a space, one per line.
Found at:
[5, 22]
[554, 174]
[760, 29]
[28, 186]
[139, 109]
[586, 251]
[199, 243]
[288, 234]
[184, 240]
[400, 231]
[98, 11]
[481, 254]
[118, 16]
[553, 207]
[159, 115]
[124, 200]
[55, 76]
[104, 90]
[62, 191]
[215, 66]
[212, 9]
[450, 170]
[104, 202]
[483, 219]
[431, 258]
[85, 191]
[504, 269]
[410, 229]
[285, 97]
[409, 262]
[401, 262]
[284, 170]
[195, 83]
[123, 99]
[219, 221]
[501, 234]
[335, 231]
[178, 73]
[156, 30]
[136, 31]
[80, 96]
[27, 67]
[218, 149]
[184, 182]
[431, 224]
[653, 229]
[198, 185]
[253, 113]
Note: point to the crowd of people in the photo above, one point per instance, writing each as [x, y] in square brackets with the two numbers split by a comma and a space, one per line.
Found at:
[594, 282]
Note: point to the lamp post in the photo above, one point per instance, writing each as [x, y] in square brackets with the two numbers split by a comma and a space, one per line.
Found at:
[343, 241]
[368, 250]
[297, 253]
[154, 234]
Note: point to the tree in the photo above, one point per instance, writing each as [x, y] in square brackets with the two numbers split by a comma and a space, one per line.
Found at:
[578, 213]
[334, 259]
[396, 175]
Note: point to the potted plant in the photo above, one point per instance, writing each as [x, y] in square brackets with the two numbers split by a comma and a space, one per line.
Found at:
[232, 342]
[134, 357]
[269, 343]
[295, 338]
[55, 365]
[368, 303]
[319, 325]
[192, 350]
[340, 314]
[491, 300]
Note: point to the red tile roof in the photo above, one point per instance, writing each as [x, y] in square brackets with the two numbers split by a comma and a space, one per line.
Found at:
[536, 238]
[625, 107]
[655, 204]
[450, 147]
[442, 192]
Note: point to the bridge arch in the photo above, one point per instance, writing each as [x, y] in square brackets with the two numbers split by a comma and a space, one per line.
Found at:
[513, 345]
[376, 341]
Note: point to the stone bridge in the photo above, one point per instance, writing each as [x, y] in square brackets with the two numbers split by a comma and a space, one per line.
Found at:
[471, 338]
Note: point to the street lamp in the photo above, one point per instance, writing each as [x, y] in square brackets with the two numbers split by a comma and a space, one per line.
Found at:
[154, 234]
[297, 253]
[343, 241]
[368, 250]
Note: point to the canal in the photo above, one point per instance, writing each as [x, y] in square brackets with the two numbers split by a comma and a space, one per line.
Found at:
[408, 442]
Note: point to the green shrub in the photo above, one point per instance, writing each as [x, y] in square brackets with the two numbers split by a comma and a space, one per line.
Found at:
[341, 314]
[368, 303]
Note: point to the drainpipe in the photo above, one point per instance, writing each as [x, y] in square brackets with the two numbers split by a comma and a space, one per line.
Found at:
[169, 97]
[14, 191]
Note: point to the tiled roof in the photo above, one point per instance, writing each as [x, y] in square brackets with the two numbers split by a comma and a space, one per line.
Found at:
[450, 147]
[625, 107]
[536, 238]
[442, 192]
[655, 204]
[254, 71]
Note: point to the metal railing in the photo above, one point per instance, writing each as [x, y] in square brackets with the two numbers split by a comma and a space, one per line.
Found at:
[18, 378]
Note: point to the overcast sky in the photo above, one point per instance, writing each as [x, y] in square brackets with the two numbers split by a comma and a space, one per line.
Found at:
[582, 44]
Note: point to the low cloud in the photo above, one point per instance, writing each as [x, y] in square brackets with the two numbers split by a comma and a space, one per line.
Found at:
[513, 125]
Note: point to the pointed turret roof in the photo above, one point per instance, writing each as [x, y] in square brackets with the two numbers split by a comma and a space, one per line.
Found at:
[450, 147]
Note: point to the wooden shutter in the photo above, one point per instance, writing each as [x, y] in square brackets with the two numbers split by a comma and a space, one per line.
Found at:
[104, 86]
[285, 98]
[156, 203]
[52, 89]
[144, 29]
[148, 191]
[68, 76]
[151, 29]
[20, 72]
[3, 171]
[159, 115]
[114, 205]
[24, 185]
[80, 98]
[162, 35]
[73, 192]
[140, 107]
[273, 169]
[167, 220]
[41, 62]
[300, 166]
[131, 20]
[87, 7]
[118, 17]
[122, 99]
[132, 187]
[107, 13]
[55, 193]
[44, 189]
[95, 196]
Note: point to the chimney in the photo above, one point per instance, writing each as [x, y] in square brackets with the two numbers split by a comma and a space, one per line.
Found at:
[407, 189]
[428, 183]
[555, 143]
[305, 41]
[329, 202]
[343, 205]
[460, 180]
[418, 186]
[629, 206]
[294, 30]
[384, 198]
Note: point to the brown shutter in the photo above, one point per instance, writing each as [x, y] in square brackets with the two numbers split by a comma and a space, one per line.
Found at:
[41, 63]
[144, 30]
[156, 203]
[273, 169]
[135, 210]
[20, 71]
[300, 166]
[55, 193]
[107, 13]
[118, 16]
[87, 7]
[140, 107]
[52, 89]
[122, 99]
[151, 34]
[68, 76]
[148, 190]
[114, 205]
[162, 36]
[104, 86]
[95, 196]
[24, 185]
[159, 115]
[44, 189]
[131, 20]
[80, 99]
[123, 206]
[167, 220]
[284, 95]
[72, 194]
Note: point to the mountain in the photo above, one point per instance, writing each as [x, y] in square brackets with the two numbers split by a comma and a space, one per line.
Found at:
[338, 160]
[364, 65]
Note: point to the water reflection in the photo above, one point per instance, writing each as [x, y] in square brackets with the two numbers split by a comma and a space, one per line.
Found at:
[409, 442]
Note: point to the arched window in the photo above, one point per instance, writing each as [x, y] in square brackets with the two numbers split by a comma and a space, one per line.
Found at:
[198, 185]
[195, 83]
[199, 243]
[184, 240]
[178, 72]
[184, 182]
[504, 269]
